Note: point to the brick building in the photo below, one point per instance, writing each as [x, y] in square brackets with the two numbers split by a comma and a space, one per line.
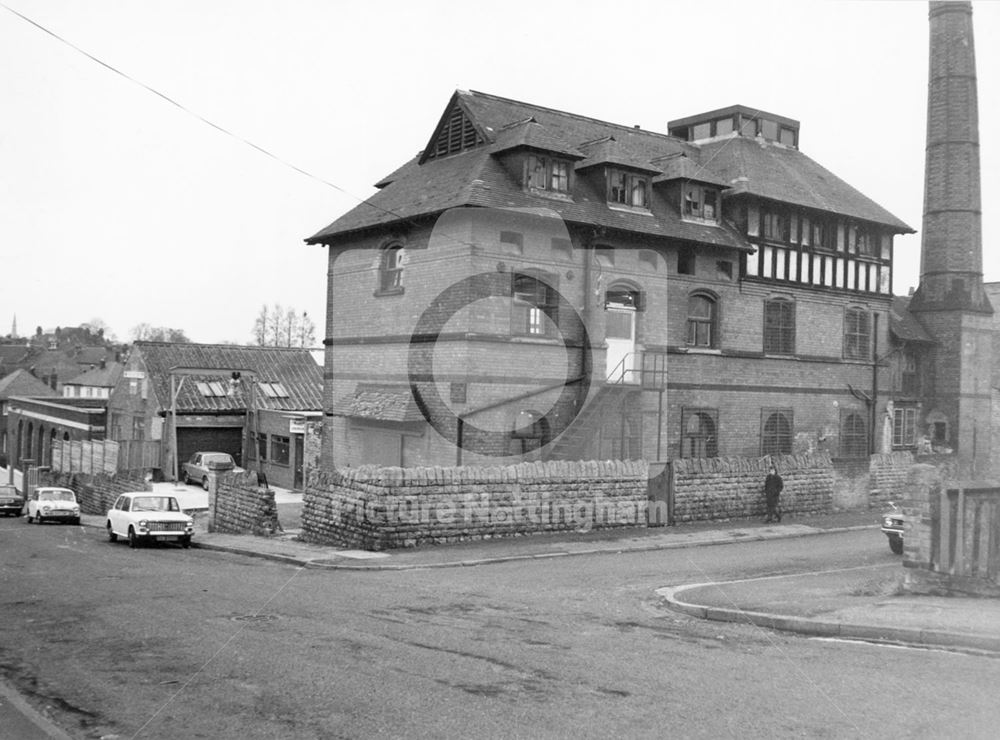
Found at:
[538, 283]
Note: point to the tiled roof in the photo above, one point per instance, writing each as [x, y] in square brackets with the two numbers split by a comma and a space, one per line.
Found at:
[769, 170]
[379, 402]
[904, 325]
[99, 377]
[23, 383]
[609, 151]
[474, 177]
[682, 167]
[532, 135]
[294, 369]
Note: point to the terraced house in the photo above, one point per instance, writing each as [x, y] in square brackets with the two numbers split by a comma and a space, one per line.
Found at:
[538, 283]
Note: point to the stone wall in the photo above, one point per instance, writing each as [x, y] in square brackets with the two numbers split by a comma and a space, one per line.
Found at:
[889, 473]
[95, 493]
[733, 488]
[380, 508]
[243, 507]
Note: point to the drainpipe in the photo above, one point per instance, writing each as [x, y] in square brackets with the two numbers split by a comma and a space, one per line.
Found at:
[874, 407]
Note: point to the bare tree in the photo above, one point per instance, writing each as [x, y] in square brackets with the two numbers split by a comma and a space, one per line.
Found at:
[277, 326]
[145, 332]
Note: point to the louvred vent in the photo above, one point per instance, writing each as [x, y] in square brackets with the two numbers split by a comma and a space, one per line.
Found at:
[456, 134]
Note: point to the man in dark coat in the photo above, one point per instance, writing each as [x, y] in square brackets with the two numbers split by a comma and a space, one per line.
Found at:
[772, 492]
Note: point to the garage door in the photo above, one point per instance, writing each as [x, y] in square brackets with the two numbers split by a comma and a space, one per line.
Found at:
[224, 439]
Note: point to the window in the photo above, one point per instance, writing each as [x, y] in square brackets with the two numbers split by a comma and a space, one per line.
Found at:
[700, 202]
[685, 261]
[211, 389]
[262, 447]
[824, 235]
[779, 327]
[853, 435]
[776, 432]
[904, 427]
[279, 449]
[701, 322]
[857, 334]
[514, 238]
[535, 309]
[390, 271]
[698, 433]
[628, 189]
[909, 375]
[775, 226]
[273, 390]
[546, 173]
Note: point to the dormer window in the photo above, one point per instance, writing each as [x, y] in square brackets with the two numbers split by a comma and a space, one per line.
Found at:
[547, 173]
[701, 202]
[628, 189]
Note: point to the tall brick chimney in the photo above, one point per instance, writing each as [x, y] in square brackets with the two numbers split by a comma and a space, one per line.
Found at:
[950, 300]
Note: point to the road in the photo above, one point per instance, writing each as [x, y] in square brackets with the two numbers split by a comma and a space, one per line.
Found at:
[164, 642]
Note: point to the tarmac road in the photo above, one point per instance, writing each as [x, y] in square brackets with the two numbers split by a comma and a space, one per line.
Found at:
[164, 642]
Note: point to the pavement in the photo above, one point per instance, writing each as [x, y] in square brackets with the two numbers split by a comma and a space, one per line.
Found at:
[862, 603]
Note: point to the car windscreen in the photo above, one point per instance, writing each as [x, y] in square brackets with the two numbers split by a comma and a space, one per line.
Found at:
[56, 496]
[155, 503]
[220, 458]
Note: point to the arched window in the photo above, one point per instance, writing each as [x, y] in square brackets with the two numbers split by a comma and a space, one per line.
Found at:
[698, 433]
[29, 441]
[779, 327]
[702, 320]
[390, 271]
[776, 433]
[853, 436]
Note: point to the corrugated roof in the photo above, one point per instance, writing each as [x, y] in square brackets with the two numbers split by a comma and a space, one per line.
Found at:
[474, 178]
[295, 369]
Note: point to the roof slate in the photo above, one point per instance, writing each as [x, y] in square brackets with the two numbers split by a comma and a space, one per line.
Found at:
[904, 325]
[23, 383]
[474, 177]
[379, 402]
[294, 368]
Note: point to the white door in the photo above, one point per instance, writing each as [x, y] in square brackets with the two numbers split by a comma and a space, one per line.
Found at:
[620, 337]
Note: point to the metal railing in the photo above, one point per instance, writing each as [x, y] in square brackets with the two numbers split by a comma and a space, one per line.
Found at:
[650, 375]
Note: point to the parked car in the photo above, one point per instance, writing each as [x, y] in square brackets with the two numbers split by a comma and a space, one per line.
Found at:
[142, 517]
[892, 525]
[11, 501]
[53, 503]
[196, 469]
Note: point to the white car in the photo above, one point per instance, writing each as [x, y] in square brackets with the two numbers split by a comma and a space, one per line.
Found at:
[149, 517]
[57, 504]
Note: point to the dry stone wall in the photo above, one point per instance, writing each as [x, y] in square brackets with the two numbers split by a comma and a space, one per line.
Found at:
[243, 507]
[733, 488]
[96, 493]
[380, 508]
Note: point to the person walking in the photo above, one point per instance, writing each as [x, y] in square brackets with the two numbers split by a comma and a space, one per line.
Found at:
[773, 486]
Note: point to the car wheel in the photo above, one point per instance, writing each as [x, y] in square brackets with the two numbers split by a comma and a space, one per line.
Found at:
[185, 542]
[132, 540]
[187, 480]
[896, 544]
[112, 537]
[27, 519]
[204, 482]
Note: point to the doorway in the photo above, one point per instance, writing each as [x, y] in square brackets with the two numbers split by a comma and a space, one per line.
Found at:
[620, 308]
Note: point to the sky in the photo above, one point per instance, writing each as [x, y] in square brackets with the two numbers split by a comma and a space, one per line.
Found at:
[121, 199]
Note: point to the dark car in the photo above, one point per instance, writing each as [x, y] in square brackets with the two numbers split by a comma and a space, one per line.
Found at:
[892, 525]
[11, 501]
[196, 469]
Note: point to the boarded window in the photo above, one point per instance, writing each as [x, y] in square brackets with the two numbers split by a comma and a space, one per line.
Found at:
[699, 436]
